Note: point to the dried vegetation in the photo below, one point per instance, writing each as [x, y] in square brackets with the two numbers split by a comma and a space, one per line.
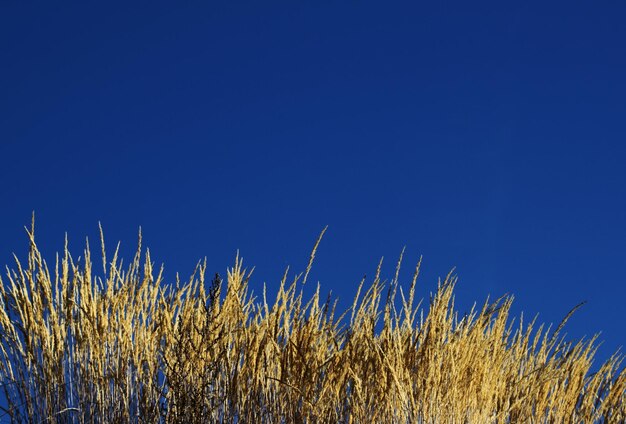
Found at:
[125, 347]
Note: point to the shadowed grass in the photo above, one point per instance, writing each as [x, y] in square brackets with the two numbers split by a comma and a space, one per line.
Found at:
[125, 347]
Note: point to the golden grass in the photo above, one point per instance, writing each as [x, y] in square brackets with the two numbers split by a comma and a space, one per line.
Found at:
[125, 347]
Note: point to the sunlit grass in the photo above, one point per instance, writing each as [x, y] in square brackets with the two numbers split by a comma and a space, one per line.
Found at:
[124, 346]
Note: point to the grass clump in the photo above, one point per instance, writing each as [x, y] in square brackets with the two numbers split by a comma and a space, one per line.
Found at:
[124, 347]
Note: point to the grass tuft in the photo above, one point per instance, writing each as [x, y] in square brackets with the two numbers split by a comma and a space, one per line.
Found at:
[125, 347]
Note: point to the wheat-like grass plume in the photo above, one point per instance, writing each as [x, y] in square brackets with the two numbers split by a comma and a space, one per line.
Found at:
[124, 346]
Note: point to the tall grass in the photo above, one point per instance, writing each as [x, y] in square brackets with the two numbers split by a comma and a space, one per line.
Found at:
[126, 347]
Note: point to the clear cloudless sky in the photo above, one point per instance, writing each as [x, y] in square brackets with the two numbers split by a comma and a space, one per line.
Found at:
[486, 136]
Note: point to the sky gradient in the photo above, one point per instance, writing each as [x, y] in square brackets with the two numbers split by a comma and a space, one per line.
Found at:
[488, 137]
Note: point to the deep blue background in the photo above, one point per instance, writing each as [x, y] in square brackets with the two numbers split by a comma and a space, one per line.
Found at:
[490, 137]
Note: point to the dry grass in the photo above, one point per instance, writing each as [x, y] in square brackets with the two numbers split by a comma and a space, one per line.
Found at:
[126, 347]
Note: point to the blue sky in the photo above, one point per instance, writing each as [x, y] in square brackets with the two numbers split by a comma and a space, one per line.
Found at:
[486, 136]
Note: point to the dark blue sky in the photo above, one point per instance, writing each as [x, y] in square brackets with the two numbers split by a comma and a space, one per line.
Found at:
[490, 137]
